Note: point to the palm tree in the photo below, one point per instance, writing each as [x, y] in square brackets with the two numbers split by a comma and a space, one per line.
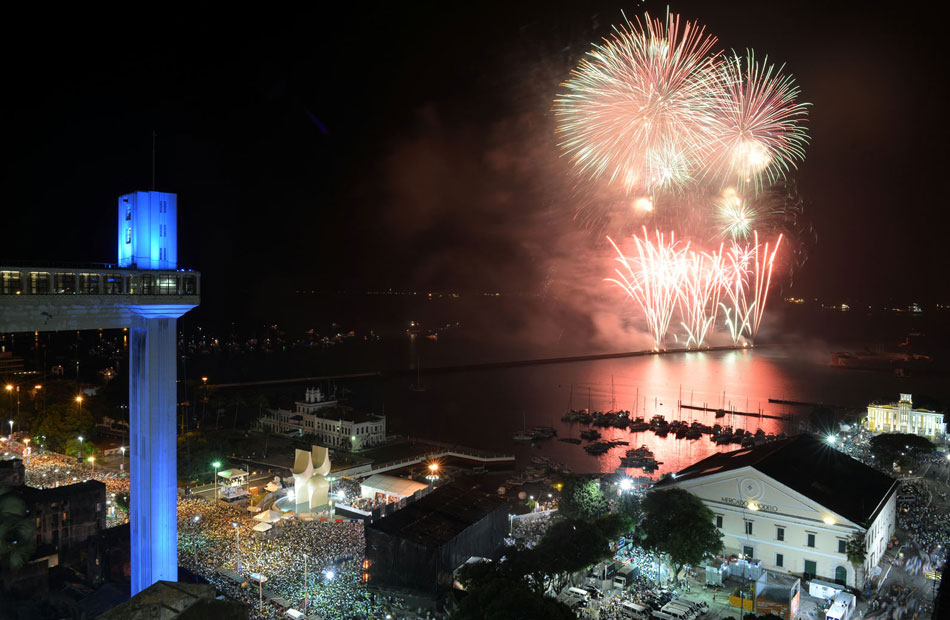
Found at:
[16, 531]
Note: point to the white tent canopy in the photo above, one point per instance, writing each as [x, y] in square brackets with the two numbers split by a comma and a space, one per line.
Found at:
[389, 485]
[268, 516]
[262, 527]
[231, 474]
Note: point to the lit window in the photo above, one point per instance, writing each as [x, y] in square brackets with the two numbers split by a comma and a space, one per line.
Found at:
[128, 235]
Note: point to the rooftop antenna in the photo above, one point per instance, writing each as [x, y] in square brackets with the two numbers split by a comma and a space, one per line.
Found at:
[154, 135]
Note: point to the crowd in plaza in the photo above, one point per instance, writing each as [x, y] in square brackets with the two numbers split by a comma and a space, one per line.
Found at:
[927, 527]
[47, 470]
[330, 553]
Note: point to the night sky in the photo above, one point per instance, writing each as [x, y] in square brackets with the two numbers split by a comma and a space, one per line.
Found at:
[412, 146]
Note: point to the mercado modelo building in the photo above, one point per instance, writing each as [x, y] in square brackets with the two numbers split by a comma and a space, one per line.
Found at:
[902, 417]
[793, 504]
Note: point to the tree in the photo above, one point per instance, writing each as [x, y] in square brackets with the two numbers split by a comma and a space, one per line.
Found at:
[61, 422]
[899, 449]
[582, 499]
[16, 531]
[678, 524]
[628, 505]
[494, 597]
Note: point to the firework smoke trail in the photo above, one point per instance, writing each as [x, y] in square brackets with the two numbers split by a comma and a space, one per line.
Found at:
[746, 280]
[699, 294]
[760, 126]
[763, 278]
[638, 110]
[734, 282]
[653, 279]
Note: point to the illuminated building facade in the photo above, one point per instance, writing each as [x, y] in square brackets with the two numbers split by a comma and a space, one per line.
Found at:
[145, 293]
[793, 504]
[148, 224]
[901, 417]
[333, 425]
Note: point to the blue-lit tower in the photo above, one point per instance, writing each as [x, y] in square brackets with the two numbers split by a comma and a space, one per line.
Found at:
[147, 230]
[145, 294]
[148, 240]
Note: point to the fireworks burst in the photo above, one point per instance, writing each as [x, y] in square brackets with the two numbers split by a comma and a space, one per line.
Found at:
[760, 130]
[638, 109]
[668, 132]
[734, 215]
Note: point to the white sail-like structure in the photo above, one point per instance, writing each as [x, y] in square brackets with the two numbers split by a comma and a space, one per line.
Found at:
[310, 484]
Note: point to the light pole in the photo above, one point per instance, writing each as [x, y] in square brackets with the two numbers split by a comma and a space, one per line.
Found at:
[237, 534]
[11, 428]
[92, 460]
[122, 464]
[216, 465]
[80, 447]
[260, 589]
[194, 543]
[433, 473]
[306, 583]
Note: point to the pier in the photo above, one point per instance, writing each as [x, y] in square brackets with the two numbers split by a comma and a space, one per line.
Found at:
[733, 412]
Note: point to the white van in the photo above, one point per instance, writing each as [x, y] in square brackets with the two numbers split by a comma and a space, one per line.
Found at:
[634, 611]
[293, 614]
[683, 607]
[700, 607]
[579, 593]
[671, 612]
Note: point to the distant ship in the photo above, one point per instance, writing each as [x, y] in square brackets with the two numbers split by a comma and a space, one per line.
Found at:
[900, 363]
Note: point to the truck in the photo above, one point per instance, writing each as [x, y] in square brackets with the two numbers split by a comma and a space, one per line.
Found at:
[625, 576]
[842, 606]
[823, 589]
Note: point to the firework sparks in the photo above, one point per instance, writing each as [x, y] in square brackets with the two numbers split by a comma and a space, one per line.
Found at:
[665, 276]
[653, 279]
[761, 131]
[637, 110]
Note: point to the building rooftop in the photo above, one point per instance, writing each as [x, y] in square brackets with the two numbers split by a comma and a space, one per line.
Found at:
[443, 514]
[808, 465]
[392, 485]
[31, 494]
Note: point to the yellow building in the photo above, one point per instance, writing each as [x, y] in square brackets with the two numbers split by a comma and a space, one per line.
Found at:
[901, 417]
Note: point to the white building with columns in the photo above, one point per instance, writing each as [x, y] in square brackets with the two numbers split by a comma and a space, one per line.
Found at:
[902, 417]
[334, 426]
[793, 505]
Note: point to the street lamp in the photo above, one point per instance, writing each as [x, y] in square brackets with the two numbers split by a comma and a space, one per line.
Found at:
[216, 465]
[92, 460]
[433, 473]
[122, 464]
[194, 544]
[11, 430]
[237, 533]
[80, 447]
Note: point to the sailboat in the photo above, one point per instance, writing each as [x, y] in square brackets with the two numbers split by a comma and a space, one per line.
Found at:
[523, 435]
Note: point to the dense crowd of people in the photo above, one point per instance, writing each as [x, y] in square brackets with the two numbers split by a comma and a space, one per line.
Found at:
[329, 553]
[46, 470]
[927, 526]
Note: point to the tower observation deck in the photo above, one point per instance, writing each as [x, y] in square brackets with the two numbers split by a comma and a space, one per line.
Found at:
[146, 292]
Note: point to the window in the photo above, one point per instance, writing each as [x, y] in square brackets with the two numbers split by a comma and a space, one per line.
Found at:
[718, 520]
[10, 282]
[748, 528]
[128, 235]
[748, 551]
[39, 282]
[842, 545]
[779, 559]
[780, 534]
[128, 211]
[810, 542]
